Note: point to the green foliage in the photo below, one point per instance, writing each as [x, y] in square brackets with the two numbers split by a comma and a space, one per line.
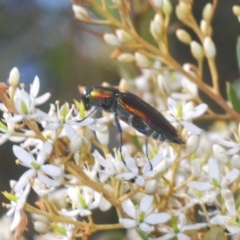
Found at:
[232, 97]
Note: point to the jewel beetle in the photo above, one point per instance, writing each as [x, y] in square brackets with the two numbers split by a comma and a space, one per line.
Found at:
[132, 110]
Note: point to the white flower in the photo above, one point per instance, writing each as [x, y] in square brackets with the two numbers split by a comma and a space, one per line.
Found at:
[8, 131]
[25, 103]
[179, 229]
[17, 206]
[183, 114]
[37, 167]
[110, 165]
[139, 169]
[62, 116]
[228, 219]
[234, 147]
[215, 178]
[142, 216]
[84, 200]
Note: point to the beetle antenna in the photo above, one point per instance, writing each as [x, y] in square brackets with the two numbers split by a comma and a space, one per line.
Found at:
[89, 114]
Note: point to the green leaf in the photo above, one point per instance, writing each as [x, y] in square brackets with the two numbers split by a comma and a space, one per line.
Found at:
[215, 233]
[238, 53]
[232, 97]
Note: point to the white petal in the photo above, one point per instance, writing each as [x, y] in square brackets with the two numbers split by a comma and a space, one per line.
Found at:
[16, 118]
[219, 220]
[129, 208]
[140, 181]
[84, 212]
[230, 177]
[192, 128]
[42, 99]
[181, 236]
[16, 219]
[229, 201]
[68, 213]
[214, 172]
[228, 143]
[233, 150]
[146, 203]
[165, 237]
[157, 159]
[16, 139]
[130, 163]
[3, 138]
[101, 160]
[25, 157]
[128, 223]
[126, 176]
[172, 103]
[157, 218]
[201, 186]
[145, 227]
[51, 170]
[46, 180]
[24, 179]
[70, 132]
[194, 226]
[44, 153]
[196, 112]
[35, 87]
[11, 211]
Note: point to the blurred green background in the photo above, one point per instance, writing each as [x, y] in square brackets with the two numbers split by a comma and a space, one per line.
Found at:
[42, 37]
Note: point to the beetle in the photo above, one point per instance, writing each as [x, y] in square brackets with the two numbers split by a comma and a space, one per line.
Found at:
[132, 110]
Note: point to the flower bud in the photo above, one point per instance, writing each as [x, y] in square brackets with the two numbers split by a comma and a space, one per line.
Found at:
[207, 12]
[40, 227]
[220, 153]
[80, 12]
[126, 57]
[14, 77]
[103, 136]
[156, 27]
[183, 10]
[111, 39]
[209, 48]
[157, 3]
[206, 29]
[197, 50]
[192, 143]
[123, 85]
[236, 10]
[150, 186]
[142, 60]
[167, 7]
[75, 144]
[123, 36]
[183, 36]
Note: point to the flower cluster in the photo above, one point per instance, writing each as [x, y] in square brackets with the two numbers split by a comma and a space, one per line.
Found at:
[161, 190]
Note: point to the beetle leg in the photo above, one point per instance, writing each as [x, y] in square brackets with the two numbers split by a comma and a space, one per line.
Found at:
[146, 146]
[118, 126]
